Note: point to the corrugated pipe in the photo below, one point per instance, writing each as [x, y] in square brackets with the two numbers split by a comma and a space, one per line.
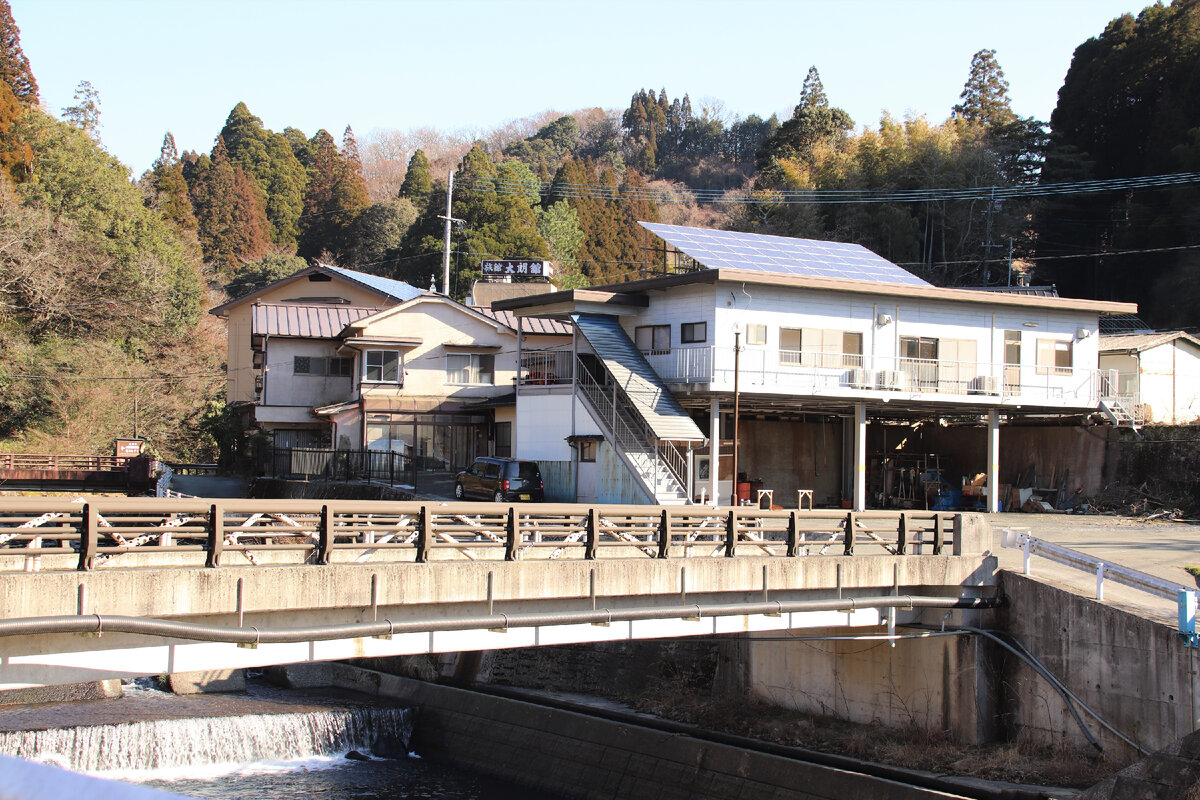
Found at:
[99, 624]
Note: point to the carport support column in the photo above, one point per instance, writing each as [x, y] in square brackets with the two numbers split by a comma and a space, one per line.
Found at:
[860, 456]
[993, 461]
[714, 449]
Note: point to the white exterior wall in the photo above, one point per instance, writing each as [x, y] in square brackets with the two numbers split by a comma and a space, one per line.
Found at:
[436, 324]
[1170, 383]
[544, 423]
[281, 387]
[730, 303]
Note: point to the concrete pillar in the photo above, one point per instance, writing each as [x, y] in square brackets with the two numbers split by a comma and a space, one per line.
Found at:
[993, 461]
[714, 449]
[860, 457]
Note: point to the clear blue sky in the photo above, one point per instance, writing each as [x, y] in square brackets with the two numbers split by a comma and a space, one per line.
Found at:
[472, 65]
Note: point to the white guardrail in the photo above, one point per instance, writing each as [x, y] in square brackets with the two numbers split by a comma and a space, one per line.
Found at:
[1107, 570]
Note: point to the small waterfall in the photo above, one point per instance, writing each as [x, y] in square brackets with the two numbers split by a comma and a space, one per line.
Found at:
[167, 744]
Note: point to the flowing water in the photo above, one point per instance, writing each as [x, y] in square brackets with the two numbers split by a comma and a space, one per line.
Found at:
[266, 744]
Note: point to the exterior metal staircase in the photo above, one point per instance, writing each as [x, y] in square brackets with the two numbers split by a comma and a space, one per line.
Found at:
[1122, 412]
[638, 414]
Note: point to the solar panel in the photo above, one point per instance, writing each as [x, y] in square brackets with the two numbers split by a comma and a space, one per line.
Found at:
[780, 254]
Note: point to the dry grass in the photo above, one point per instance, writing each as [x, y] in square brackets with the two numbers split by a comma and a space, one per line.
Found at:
[911, 748]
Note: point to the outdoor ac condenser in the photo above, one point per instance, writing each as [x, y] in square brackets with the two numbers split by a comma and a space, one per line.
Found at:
[984, 384]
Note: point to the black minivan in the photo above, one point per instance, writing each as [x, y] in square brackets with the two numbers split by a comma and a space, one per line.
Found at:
[504, 480]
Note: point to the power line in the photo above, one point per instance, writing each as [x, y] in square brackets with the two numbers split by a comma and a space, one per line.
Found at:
[828, 196]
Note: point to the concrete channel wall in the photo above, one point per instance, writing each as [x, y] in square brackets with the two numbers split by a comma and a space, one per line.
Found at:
[578, 756]
[1139, 675]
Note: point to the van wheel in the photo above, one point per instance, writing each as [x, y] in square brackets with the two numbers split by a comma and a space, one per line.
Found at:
[499, 498]
[458, 491]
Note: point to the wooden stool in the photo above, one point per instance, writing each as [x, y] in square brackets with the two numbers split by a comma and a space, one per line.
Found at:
[803, 493]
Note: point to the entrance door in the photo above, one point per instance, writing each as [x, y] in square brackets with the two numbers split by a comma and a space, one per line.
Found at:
[1012, 362]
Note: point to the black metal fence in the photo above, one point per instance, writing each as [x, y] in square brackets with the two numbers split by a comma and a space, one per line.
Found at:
[315, 463]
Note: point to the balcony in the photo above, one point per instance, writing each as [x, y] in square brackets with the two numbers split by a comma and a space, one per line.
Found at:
[546, 367]
[852, 375]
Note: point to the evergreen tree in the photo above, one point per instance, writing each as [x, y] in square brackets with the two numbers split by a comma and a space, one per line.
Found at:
[985, 95]
[16, 156]
[813, 123]
[85, 114]
[267, 157]
[170, 188]
[336, 194]
[418, 181]
[14, 66]
[230, 214]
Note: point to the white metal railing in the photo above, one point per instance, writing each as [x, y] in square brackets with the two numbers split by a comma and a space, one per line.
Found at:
[1104, 570]
[631, 433]
[546, 367]
[823, 372]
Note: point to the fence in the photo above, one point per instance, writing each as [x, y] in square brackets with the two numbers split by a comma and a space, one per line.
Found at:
[312, 463]
[74, 535]
[51, 462]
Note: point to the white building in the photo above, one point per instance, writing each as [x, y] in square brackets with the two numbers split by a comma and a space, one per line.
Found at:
[1156, 374]
[814, 338]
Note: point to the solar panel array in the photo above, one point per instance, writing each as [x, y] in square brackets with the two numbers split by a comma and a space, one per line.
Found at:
[781, 254]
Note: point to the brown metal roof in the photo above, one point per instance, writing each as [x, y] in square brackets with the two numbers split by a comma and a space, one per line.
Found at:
[309, 322]
[529, 325]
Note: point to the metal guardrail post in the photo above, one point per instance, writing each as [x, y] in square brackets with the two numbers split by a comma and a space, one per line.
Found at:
[848, 534]
[937, 533]
[216, 535]
[510, 537]
[324, 536]
[731, 533]
[793, 528]
[902, 535]
[590, 542]
[90, 520]
[424, 535]
[664, 535]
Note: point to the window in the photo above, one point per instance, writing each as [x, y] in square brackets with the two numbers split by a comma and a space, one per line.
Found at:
[587, 450]
[470, 368]
[653, 339]
[1054, 355]
[756, 334]
[382, 366]
[820, 348]
[692, 333]
[319, 365]
[504, 439]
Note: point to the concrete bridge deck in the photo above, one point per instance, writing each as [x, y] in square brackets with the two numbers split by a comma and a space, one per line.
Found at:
[114, 588]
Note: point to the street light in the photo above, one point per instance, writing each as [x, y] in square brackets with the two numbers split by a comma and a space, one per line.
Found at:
[737, 349]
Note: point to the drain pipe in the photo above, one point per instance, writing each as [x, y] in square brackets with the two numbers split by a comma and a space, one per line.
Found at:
[98, 624]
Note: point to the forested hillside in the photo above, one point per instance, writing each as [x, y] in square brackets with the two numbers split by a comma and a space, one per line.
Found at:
[104, 276]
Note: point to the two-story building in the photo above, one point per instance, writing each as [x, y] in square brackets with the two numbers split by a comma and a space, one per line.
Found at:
[799, 344]
[330, 357]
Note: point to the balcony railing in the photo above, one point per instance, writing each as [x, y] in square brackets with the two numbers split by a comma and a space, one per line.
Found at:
[840, 374]
[546, 367]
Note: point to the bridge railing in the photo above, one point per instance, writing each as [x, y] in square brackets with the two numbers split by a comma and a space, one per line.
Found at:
[58, 534]
[53, 462]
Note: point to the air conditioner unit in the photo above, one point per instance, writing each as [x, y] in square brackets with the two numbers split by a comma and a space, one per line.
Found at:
[892, 380]
[859, 378]
[984, 384]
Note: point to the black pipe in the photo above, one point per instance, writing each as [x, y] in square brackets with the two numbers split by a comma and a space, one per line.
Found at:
[97, 623]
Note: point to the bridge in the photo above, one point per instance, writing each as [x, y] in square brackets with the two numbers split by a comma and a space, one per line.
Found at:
[123, 587]
[51, 472]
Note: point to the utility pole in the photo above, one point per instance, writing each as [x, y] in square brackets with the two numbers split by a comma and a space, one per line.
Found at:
[446, 244]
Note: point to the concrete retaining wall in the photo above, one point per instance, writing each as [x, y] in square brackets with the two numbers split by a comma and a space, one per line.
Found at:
[578, 756]
[1137, 674]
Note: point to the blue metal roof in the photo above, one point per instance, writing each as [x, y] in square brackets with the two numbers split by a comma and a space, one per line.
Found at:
[780, 254]
[392, 288]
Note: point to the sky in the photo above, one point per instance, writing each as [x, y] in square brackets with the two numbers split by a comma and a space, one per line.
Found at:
[472, 65]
